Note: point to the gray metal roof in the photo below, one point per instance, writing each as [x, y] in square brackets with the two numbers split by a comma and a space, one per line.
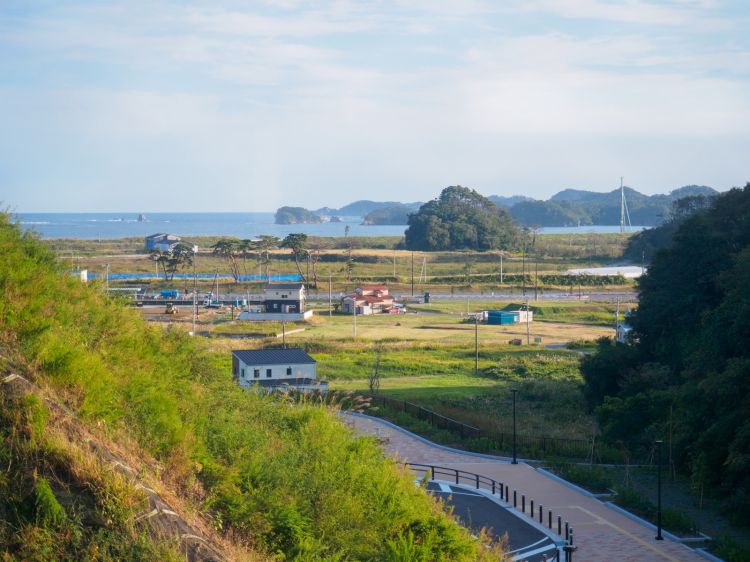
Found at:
[288, 382]
[285, 286]
[273, 356]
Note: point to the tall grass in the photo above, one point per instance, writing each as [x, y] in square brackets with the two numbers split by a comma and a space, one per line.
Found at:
[288, 479]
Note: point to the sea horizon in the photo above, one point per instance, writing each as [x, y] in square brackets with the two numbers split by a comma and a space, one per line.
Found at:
[114, 225]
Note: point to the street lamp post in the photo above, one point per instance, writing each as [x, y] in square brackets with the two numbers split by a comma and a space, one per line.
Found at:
[514, 391]
[658, 444]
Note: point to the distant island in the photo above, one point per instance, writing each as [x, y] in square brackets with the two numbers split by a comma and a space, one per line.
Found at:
[296, 215]
[363, 207]
[396, 214]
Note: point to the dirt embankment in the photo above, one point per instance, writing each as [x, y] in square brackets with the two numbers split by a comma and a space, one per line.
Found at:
[163, 519]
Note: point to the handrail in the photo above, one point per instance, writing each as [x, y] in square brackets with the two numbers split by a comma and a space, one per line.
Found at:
[503, 492]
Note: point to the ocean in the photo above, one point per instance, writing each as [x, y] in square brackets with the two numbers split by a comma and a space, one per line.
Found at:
[100, 226]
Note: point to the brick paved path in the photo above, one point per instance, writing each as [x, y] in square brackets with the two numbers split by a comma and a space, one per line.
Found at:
[601, 533]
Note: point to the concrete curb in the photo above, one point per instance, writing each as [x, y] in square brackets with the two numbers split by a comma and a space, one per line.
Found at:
[633, 517]
[708, 556]
[432, 443]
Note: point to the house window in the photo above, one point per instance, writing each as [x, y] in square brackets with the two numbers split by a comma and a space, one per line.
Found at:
[268, 373]
[289, 371]
[256, 373]
[283, 296]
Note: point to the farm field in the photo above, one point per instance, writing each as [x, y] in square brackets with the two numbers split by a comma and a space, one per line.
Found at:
[428, 358]
[373, 260]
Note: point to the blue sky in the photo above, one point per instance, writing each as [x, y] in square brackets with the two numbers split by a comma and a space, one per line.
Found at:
[245, 106]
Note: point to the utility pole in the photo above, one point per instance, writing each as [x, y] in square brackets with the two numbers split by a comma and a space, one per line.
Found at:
[354, 316]
[622, 207]
[330, 298]
[412, 274]
[394, 266]
[476, 345]
[523, 272]
[536, 278]
[195, 295]
[528, 330]
[617, 317]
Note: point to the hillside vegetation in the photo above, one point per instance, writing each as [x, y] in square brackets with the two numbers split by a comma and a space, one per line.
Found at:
[686, 376]
[285, 479]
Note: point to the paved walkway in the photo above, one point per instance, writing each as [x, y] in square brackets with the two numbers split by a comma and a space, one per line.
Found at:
[601, 533]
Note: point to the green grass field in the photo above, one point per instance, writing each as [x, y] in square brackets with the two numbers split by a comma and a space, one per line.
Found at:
[576, 312]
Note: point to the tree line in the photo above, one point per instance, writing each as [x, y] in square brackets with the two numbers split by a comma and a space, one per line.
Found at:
[685, 374]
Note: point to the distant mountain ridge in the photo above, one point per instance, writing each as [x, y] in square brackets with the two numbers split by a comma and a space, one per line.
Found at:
[362, 207]
[569, 207]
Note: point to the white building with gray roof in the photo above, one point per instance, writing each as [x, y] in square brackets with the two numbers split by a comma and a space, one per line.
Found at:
[276, 369]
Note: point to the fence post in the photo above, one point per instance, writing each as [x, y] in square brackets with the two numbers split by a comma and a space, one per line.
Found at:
[531, 511]
[456, 476]
[567, 531]
[477, 477]
[541, 509]
[493, 487]
[515, 503]
[559, 526]
[549, 519]
[523, 503]
[432, 471]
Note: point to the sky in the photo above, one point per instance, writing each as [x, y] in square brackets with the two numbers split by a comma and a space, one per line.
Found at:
[246, 106]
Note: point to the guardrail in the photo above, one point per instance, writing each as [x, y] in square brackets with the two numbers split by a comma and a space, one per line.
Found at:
[504, 493]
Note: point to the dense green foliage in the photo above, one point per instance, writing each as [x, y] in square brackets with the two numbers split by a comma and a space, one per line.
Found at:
[643, 246]
[295, 215]
[460, 219]
[397, 214]
[688, 371]
[289, 479]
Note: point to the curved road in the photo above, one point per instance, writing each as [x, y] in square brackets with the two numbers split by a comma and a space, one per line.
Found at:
[601, 533]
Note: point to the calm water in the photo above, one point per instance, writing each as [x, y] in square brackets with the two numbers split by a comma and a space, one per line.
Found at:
[94, 226]
[243, 225]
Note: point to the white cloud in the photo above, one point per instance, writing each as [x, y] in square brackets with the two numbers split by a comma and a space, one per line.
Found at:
[317, 103]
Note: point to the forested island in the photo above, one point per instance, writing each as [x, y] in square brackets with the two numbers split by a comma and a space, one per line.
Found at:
[461, 219]
[296, 215]
[396, 214]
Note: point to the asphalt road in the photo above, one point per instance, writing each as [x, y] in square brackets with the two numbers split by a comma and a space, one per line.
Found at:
[476, 511]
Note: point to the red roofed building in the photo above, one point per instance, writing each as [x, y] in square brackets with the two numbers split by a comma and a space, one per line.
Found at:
[368, 299]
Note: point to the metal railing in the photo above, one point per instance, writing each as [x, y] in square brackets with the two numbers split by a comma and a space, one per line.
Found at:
[504, 493]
